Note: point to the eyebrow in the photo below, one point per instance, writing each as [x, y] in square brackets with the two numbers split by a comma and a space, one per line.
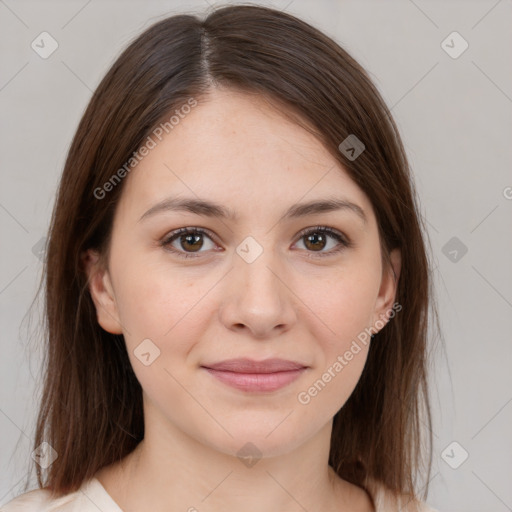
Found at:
[207, 208]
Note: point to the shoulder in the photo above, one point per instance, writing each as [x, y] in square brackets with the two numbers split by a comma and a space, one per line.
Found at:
[384, 500]
[90, 497]
[40, 500]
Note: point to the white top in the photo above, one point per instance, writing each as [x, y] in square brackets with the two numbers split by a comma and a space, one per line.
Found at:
[93, 497]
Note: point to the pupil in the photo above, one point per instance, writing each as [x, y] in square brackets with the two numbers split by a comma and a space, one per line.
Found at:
[315, 237]
[194, 238]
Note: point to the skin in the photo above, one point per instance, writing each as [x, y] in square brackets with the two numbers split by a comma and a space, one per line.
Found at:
[235, 149]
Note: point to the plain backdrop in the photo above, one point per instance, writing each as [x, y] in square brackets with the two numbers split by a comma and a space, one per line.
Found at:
[454, 111]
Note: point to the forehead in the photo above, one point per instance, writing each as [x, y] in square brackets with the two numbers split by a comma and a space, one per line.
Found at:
[237, 149]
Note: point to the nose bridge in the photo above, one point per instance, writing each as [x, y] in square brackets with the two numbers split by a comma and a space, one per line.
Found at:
[258, 264]
[259, 298]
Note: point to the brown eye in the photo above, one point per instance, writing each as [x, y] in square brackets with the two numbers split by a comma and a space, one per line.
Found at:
[191, 241]
[317, 239]
[188, 240]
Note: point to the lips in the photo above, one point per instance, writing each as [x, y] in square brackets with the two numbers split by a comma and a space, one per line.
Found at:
[251, 366]
[256, 376]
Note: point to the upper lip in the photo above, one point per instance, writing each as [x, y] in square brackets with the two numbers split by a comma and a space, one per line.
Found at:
[244, 365]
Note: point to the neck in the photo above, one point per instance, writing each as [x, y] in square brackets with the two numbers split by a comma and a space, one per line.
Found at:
[169, 470]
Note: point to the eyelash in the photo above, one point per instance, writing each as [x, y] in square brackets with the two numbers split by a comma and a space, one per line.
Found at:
[344, 242]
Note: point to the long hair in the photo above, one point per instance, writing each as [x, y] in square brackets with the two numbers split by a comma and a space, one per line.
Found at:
[91, 405]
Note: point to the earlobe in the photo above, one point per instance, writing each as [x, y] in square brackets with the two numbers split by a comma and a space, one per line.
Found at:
[102, 292]
[387, 293]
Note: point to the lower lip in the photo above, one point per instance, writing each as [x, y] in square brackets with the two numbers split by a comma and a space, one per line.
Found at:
[256, 381]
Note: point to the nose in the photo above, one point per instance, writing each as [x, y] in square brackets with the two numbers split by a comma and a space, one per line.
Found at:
[257, 297]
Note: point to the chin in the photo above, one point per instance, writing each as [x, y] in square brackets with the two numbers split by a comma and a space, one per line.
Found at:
[265, 437]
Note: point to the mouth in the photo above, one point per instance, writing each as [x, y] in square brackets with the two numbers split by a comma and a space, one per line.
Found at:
[256, 376]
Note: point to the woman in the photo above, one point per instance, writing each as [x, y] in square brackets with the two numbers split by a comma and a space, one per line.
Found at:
[237, 286]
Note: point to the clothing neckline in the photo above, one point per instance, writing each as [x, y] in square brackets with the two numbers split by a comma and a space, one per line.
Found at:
[95, 491]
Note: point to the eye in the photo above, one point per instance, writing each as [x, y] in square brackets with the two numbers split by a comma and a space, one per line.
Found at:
[189, 239]
[317, 239]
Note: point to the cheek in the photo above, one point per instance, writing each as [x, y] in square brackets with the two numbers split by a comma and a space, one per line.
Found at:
[165, 316]
[330, 388]
[352, 314]
[342, 350]
[156, 301]
[342, 308]
[173, 310]
[338, 319]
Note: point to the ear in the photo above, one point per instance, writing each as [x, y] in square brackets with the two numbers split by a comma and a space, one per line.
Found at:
[387, 291]
[102, 292]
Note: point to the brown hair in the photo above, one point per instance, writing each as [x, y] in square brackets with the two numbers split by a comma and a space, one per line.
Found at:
[91, 409]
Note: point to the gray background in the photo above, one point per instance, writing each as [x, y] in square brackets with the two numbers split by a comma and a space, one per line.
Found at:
[455, 116]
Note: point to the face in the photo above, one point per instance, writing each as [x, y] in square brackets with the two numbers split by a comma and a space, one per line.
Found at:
[259, 284]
